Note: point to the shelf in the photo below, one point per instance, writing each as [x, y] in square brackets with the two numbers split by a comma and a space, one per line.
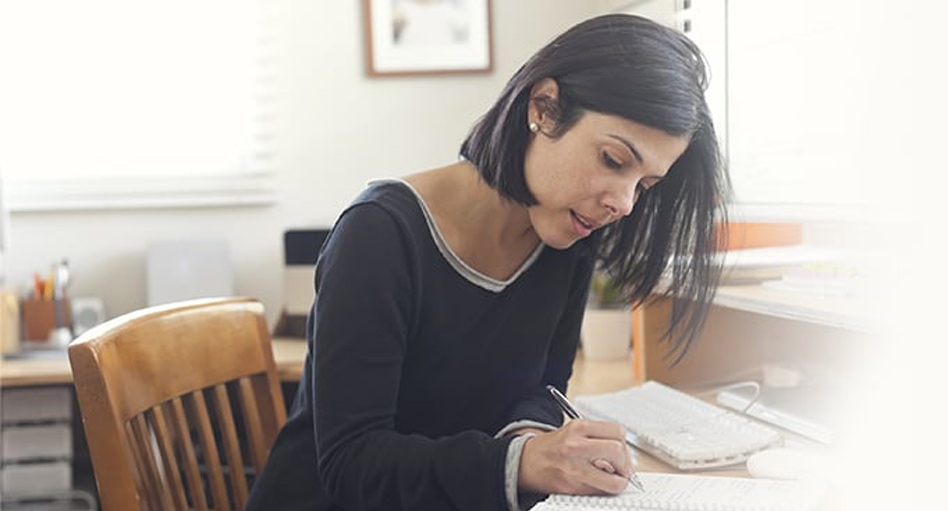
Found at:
[827, 310]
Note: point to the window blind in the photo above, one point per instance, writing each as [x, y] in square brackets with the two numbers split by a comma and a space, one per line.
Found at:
[134, 103]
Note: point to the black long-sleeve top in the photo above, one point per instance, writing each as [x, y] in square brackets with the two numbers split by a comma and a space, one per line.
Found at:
[415, 363]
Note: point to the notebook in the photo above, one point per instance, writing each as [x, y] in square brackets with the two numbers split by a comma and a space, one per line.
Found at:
[674, 492]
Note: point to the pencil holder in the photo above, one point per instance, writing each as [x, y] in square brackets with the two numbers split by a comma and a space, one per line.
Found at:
[40, 317]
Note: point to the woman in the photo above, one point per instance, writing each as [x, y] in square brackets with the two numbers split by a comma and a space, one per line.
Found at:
[447, 301]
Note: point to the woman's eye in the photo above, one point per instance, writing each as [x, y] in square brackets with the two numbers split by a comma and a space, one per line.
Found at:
[610, 161]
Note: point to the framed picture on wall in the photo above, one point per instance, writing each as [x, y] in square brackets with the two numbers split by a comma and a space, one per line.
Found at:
[419, 37]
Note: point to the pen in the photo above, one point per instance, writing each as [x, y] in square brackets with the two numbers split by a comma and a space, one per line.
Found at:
[573, 413]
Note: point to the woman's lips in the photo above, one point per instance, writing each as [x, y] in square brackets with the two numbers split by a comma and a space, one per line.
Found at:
[583, 225]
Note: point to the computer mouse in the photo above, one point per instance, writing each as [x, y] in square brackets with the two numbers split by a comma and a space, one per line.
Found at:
[784, 463]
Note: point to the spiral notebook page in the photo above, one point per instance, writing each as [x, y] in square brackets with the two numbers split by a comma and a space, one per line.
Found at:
[672, 492]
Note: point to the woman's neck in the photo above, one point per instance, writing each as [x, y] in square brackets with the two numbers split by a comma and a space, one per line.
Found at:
[489, 233]
[502, 220]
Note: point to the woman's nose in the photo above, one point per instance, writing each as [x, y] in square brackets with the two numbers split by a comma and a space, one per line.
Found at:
[620, 201]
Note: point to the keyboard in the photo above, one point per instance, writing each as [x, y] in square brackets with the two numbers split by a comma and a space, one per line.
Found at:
[679, 429]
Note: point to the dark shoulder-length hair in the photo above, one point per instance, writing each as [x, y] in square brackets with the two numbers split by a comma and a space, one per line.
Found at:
[626, 65]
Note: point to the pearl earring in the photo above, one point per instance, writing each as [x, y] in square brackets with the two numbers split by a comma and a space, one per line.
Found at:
[534, 127]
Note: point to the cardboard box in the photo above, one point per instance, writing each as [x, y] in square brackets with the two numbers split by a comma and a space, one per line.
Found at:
[36, 442]
[53, 476]
[33, 405]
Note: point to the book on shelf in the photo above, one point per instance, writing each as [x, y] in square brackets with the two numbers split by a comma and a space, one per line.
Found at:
[756, 265]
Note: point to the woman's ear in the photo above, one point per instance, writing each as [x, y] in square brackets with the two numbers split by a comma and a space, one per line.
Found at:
[544, 105]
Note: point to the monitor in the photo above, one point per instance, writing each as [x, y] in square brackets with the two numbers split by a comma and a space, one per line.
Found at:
[300, 251]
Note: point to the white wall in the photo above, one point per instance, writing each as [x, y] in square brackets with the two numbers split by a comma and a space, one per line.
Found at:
[336, 130]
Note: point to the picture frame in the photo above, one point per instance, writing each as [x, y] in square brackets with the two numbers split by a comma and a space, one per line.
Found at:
[427, 37]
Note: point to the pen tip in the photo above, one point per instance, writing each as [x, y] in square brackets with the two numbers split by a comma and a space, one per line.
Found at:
[634, 479]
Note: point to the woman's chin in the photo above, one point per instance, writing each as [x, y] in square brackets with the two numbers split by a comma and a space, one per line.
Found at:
[559, 237]
[560, 242]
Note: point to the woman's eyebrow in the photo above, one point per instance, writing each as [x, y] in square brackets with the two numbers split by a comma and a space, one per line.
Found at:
[631, 146]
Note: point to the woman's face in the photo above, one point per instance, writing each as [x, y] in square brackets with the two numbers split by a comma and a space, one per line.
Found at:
[591, 175]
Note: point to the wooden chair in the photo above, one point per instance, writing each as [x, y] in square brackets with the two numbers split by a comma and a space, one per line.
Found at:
[159, 391]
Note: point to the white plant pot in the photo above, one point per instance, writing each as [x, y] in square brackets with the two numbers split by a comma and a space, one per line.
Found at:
[606, 333]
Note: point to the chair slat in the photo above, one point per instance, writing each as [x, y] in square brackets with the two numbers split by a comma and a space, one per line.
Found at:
[158, 497]
[139, 466]
[172, 479]
[271, 422]
[182, 430]
[228, 429]
[212, 461]
[148, 500]
[254, 429]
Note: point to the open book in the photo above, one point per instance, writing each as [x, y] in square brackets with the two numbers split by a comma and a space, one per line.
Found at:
[673, 492]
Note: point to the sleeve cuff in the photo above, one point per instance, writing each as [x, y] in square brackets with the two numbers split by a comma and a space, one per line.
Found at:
[513, 426]
[512, 470]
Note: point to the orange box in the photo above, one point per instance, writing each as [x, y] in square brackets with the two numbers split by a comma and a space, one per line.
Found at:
[744, 235]
[39, 317]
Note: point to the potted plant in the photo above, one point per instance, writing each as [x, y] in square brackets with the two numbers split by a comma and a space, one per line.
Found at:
[607, 325]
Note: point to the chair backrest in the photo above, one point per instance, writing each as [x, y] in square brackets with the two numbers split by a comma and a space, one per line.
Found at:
[180, 403]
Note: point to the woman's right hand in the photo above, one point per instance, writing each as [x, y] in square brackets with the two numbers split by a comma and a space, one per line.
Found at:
[576, 459]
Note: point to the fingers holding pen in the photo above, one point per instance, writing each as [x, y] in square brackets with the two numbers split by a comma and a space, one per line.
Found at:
[582, 458]
[610, 442]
